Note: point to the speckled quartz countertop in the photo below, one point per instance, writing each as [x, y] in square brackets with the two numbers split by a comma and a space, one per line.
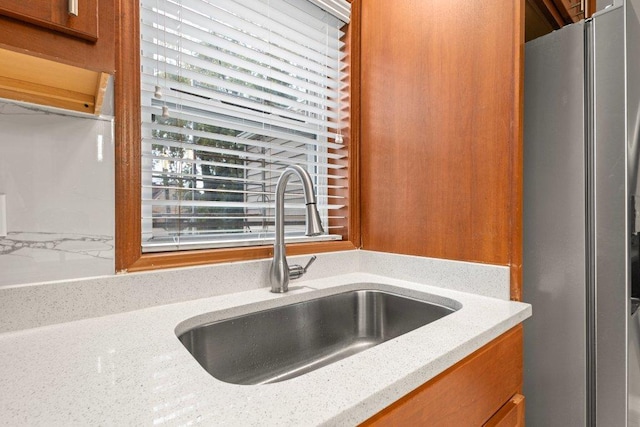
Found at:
[130, 369]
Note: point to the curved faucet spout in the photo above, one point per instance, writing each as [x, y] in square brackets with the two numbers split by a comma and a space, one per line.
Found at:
[280, 271]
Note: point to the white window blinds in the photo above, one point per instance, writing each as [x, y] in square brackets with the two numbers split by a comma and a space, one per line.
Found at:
[232, 93]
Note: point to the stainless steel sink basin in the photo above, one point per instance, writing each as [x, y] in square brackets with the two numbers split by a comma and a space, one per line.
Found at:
[285, 342]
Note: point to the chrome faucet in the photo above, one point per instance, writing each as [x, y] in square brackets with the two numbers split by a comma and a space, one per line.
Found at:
[281, 273]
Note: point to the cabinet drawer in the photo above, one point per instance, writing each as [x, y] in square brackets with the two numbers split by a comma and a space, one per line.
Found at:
[467, 394]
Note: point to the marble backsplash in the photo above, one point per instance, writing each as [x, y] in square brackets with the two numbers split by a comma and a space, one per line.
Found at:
[57, 172]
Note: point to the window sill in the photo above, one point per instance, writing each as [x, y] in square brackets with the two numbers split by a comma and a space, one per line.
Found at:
[154, 261]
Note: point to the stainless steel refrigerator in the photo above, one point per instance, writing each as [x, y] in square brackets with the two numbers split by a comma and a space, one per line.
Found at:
[580, 264]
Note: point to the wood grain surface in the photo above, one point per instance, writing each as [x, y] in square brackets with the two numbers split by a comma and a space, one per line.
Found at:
[49, 43]
[441, 129]
[467, 394]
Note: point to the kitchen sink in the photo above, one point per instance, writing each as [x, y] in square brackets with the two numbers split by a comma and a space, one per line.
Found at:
[284, 342]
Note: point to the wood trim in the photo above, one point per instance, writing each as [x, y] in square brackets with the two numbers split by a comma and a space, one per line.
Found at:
[128, 252]
[128, 195]
[468, 393]
[355, 32]
[202, 257]
[510, 415]
[591, 7]
[517, 165]
[101, 89]
[36, 93]
[41, 81]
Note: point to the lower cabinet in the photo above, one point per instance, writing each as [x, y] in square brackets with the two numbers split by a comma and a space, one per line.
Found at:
[480, 390]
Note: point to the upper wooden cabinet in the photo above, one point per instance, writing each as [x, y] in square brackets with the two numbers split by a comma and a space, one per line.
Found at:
[78, 18]
[440, 121]
[51, 57]
[44, 28]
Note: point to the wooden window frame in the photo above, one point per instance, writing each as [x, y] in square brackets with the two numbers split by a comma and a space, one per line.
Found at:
[128, 229]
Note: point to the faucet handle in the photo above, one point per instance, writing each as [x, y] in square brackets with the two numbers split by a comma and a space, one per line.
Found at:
[306, 267]
[297, 271]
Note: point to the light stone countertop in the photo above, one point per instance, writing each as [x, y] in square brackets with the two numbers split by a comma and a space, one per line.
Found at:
[130, 369]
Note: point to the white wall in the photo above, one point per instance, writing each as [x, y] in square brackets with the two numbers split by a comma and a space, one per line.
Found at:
[57, 171]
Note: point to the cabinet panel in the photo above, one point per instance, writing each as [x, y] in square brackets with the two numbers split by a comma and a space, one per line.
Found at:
[55, 15]
[58, 61]
[54, 45]
[440, 130]
[469, 393]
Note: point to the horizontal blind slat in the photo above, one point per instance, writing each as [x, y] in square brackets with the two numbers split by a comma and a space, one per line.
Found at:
[263, 28]
[155, 63]
[175, 175]
[188, 22]
[338, 8]
[236, 92]
[244, 155]
[199, 98]
[246, 58]
[244, 192]
[204, 148]
[206, 203]
[272, 20]
[307, 20]
[256, 129]
[228, 166]
[230, 115]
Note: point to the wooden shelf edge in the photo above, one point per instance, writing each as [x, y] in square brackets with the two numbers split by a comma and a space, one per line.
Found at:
[27, 91]
[101, 89]
[41, 81]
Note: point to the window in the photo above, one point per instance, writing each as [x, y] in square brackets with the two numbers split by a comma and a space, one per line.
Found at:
[232, 93]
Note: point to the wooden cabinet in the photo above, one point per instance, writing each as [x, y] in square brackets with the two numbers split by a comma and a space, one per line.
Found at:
[50, 57]
[78, 18]
[38, 28]
[482, 389]
[440, 118]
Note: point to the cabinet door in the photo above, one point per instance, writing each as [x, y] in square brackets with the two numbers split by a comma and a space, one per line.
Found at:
[55, 15]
